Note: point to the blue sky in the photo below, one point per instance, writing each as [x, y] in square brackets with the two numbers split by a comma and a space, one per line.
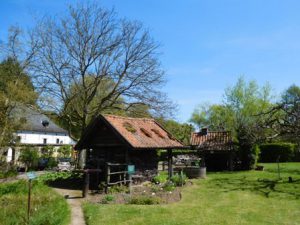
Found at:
[206, 45]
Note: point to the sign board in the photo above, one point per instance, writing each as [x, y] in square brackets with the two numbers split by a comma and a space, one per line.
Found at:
[31, 175]
[131, 169]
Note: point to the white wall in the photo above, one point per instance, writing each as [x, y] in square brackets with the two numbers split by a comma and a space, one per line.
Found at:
[28, 137]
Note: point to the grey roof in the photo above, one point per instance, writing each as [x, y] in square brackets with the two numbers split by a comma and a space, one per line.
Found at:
[34, 119]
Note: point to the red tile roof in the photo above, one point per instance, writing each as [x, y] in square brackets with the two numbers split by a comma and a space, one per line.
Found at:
[212, 141]
[142, 132]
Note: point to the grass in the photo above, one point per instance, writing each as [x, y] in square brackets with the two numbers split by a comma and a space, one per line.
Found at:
[48, 208]
[252, 197]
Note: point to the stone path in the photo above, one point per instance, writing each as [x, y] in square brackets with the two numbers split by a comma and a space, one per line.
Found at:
[74, 200]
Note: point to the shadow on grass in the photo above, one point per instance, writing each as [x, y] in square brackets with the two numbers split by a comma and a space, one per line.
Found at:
[270, 188]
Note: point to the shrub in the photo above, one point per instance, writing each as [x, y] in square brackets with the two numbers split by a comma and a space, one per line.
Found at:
[255, 152]
[29, 156]
[270, 152]
[65, 151]
[51, 163]
[144, 200]
[54, 176]
[160, 178]
[118, 189]
[169, 186]
[7, 170]
[107, 199]
[178, 179]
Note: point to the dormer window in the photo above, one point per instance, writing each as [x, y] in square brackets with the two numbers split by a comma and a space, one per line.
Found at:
[45, 123]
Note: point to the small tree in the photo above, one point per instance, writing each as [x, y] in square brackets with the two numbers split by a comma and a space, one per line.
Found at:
[47, 151]
[29, 156]
[65, 151]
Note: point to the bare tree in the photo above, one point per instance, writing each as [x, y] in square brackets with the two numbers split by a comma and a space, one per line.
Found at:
[83, 51]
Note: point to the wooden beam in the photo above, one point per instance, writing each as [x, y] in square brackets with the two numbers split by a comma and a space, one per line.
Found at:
[231, 161]
[170, 163]
[86, 184]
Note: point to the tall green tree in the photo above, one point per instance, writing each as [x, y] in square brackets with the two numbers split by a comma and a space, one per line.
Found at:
[15, 89]
[243, 112]
[288, 123]
[215, 117]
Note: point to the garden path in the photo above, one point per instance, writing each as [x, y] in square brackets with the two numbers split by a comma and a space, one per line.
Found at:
[74, 200]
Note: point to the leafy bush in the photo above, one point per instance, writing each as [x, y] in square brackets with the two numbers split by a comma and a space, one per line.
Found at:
[48, 177]
[271, 151]
[178, 179]
[9, 173]
[255, 152]
[51, 163]
[118, 189]
[65, 151]
[107, 199]
[160, 178]
[144, 200]
[29, 156]
[169, 186]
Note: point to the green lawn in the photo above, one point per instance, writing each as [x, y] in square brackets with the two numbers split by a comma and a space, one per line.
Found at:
[48, 208]
[254, 197]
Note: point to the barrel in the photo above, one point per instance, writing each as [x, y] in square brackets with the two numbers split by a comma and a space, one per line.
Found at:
[202, 171]
[192, 171]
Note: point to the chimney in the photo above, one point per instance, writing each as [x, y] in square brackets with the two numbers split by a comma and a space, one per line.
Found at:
[204, 131]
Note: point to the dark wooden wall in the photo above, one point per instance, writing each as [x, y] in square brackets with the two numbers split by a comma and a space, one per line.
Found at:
[145, 159]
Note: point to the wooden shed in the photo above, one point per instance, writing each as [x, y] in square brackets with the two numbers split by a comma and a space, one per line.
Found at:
[215, 147]
[116, 140]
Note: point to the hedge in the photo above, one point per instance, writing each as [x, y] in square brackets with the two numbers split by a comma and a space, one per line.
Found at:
[271, 151]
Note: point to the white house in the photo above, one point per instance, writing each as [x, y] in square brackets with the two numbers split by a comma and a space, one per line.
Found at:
[38, 130]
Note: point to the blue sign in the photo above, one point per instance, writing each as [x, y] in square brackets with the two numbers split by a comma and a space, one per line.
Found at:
[31, 175]
[131, 169]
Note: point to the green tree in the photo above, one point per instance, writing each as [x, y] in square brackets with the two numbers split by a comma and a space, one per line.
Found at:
[15, 89]
[47, 151]
[65, 151]
[288, 123]
[244, 113]
[29, 156]
[215, 117]
[181, 131]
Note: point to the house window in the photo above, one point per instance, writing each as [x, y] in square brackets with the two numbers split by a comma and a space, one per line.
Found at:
[45, 141]
[57, 140]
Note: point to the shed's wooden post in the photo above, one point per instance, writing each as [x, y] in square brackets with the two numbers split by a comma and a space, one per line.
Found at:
[107, 177]
[170, 166]
[231, 161]
[86, 184]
